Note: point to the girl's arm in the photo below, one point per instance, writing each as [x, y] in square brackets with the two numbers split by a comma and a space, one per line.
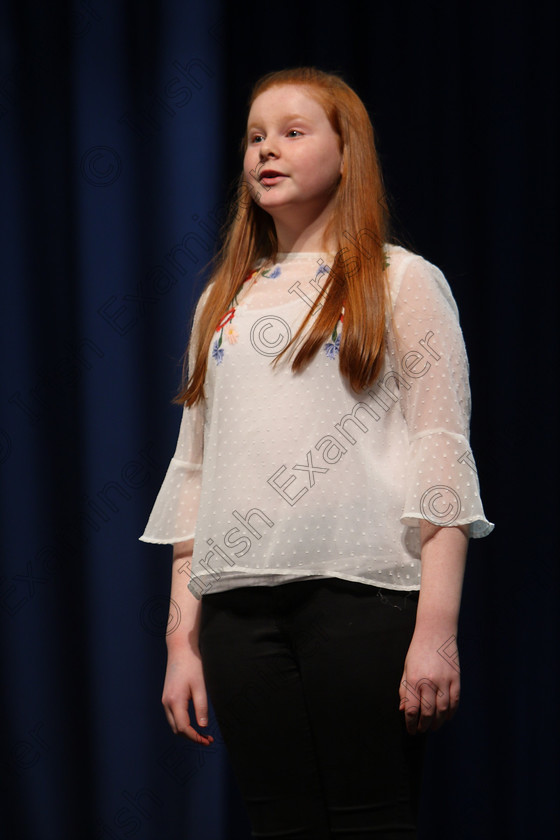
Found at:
[427, 349]
[174, 514]
[430, 684]
[184, 678]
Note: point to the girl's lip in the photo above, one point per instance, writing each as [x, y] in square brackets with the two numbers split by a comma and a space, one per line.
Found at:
[271, 174]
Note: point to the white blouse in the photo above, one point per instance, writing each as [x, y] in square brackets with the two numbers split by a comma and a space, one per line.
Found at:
[281, 476]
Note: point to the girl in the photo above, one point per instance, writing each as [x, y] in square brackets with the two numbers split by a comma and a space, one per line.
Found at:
[323, 456]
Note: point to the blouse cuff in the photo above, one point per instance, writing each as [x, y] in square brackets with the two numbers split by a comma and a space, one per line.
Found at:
[173, 516]
[442, 484]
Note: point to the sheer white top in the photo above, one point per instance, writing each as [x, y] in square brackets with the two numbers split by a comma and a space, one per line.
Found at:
[280, 476]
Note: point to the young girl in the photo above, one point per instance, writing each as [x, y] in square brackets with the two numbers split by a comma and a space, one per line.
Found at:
[323, 457]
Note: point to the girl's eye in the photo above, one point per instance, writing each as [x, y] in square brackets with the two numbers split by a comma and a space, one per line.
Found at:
[293, 131]
[256, 138]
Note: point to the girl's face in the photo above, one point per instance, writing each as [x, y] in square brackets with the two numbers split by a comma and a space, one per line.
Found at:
[293, 159]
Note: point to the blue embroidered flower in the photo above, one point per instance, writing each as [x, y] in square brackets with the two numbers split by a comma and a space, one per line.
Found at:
[218, 352]
[323, 269]
[272, 274]
[332, 348]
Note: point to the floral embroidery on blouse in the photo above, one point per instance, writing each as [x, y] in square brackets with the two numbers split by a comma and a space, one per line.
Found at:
[217, 353]
[217, 349]
[231, 333]
[332, 347]
[272, 274]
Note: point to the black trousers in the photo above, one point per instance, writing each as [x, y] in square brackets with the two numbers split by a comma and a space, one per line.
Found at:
[304, 680]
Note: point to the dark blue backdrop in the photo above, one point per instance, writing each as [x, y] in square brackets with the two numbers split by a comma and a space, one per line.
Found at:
[120, 123]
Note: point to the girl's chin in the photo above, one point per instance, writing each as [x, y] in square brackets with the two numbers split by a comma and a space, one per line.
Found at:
[290, 211]
[275, 208]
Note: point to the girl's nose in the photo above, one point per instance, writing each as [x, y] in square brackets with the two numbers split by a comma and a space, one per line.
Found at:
[266, 150]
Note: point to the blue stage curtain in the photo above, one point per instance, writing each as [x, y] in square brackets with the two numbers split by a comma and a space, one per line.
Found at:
[120, 124]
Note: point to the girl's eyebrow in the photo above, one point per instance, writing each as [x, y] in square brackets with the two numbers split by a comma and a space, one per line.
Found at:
[295, 117]
[286, 118]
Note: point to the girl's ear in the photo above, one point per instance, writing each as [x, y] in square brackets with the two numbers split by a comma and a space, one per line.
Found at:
[342, 164]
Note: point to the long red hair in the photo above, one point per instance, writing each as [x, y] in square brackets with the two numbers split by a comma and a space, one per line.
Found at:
[359, 226]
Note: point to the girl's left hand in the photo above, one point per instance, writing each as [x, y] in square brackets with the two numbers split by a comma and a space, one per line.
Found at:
[430, 685]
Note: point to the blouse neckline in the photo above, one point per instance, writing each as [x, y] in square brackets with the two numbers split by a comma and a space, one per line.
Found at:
[295, 255]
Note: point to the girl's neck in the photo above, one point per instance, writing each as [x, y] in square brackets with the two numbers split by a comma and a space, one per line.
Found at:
[297, 237]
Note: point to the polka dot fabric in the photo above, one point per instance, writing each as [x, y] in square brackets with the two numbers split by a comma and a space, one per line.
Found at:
[281, 476]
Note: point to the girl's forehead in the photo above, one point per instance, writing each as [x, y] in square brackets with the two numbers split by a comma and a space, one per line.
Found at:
[293, 99]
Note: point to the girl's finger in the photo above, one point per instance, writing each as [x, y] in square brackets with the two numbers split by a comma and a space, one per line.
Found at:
[200, 704]
[186, 729]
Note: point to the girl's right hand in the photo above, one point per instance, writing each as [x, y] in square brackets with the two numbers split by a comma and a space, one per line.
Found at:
[184, 681]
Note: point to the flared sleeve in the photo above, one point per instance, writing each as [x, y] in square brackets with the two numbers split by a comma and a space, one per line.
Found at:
[174, 514]
[426, 346]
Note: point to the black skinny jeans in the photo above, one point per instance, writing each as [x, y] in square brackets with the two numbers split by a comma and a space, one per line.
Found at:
[304, 680]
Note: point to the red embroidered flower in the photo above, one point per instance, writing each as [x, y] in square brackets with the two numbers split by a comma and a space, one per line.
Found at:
[226, 319]
[231, 312]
